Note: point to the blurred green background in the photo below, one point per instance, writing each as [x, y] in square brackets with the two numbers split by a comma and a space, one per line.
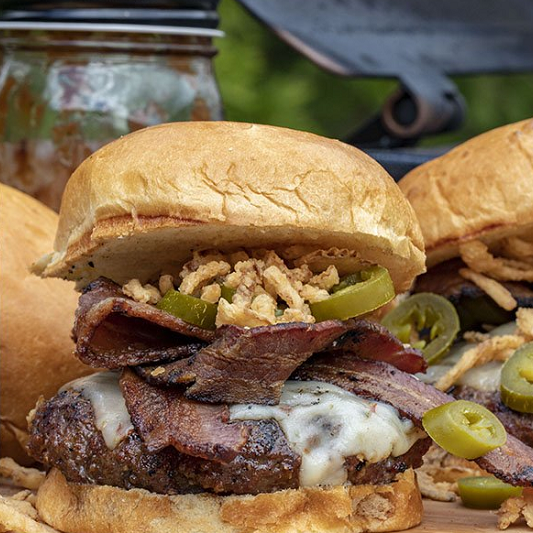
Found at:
[264, 80]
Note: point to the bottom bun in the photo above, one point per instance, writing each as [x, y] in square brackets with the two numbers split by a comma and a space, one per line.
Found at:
[74, 508]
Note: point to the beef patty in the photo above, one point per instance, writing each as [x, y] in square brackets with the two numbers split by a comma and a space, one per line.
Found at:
[473, 305]
[63, 434]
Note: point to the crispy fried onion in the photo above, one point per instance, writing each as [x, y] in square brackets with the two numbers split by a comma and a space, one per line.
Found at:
[513, 509]
[345, 261]
[490, 349]
[260, 282]
[516, 248]
[438, 475]
[477, 256]
[28, 478]
[491, 287]
[17, 512]
[515, 264]
[524, 322]
[266, 288]
[204, 275]
[493, 349]
[146, 294]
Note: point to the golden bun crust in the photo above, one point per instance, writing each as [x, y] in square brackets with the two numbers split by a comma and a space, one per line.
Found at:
[141, 204]
[74, 508]
[482, 189]
[37, 316]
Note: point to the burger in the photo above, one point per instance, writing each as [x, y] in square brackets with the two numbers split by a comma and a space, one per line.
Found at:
[230, 274]
[475, 208]
[33, 362]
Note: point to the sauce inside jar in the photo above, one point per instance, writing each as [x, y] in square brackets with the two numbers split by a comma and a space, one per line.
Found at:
[64, 94]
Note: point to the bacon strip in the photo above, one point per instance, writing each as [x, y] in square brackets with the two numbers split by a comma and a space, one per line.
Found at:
[370, 340]
[375, 380]
[113, 331]
[163, 417]
[247, 365]
[251, 365]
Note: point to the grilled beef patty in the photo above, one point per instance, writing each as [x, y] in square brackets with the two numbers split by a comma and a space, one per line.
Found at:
[444, 279]
[63, 434]
[474, 307]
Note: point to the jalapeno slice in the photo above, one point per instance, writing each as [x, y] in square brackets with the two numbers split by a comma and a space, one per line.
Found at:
[371, 289]
[516, 386]
[433, 317]
[190, 309]
[485, 492]
[465, 429]
[227, 293]
[347, 281]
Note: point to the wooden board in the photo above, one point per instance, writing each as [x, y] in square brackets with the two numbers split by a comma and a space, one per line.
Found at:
[440, 517]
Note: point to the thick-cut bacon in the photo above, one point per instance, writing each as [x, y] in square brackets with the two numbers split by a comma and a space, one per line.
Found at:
[248, 365]
[370, 340]
[113, 331]
[380, 381]
[163, 417]
[251, 365]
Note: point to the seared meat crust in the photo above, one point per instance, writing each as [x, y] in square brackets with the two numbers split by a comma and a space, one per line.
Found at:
[63, 435]
[474, 307]
[444, 279]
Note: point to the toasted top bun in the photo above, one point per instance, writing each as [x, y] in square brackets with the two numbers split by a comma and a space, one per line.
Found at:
[37, 316]
[482, 189]
[139, 206]
[72, 507]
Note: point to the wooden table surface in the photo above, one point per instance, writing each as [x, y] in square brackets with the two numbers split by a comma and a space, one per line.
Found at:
[442, 517]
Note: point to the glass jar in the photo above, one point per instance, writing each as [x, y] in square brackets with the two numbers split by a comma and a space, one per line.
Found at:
[63, 94]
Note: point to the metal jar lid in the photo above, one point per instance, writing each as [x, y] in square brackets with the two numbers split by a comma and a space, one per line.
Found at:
[154, 13]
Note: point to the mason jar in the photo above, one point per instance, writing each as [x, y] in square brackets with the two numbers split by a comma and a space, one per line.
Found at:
[68, 88]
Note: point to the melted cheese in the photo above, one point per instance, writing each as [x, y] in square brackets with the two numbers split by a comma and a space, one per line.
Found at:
[484, 377]
[110, 414]
[325, 424]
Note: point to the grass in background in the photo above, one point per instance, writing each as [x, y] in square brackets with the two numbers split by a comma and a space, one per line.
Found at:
[264, 80]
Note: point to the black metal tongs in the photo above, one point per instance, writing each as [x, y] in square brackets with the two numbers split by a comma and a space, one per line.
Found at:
[420, 43]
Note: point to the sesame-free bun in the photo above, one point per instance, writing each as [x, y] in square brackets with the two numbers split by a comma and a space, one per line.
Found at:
[36, 315]
[75, 508]
[482, 189]
[139, 206]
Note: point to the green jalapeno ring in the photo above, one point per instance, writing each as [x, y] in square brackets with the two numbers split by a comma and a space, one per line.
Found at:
[516, 386]
[227, 293]
[189, 308]
[347, 281]
[430, 312]
[464, 428]
[374, 290]
[485, 492]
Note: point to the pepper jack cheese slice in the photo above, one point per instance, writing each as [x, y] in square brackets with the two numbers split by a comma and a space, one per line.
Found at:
[110, 414]
[326, 424]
